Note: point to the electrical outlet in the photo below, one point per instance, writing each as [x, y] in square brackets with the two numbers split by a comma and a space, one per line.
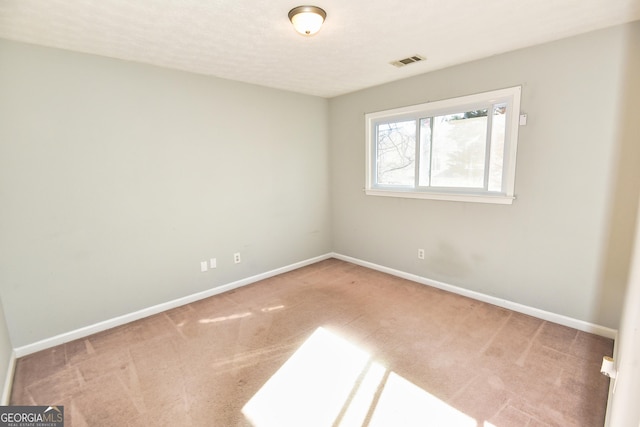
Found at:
[420, 253]
[213, 263]
[236, 257]
[203, 266]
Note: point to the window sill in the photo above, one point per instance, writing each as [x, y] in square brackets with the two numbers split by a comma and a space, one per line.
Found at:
[474, 198]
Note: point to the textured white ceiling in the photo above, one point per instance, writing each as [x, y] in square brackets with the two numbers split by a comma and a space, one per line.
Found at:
[252, 40]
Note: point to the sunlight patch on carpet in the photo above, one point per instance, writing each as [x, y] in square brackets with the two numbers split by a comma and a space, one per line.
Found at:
[331, 382]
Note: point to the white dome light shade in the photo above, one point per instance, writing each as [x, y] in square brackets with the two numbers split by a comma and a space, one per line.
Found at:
[307, 20]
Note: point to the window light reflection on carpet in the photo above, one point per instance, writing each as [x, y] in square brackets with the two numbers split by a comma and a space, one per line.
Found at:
[329, 381]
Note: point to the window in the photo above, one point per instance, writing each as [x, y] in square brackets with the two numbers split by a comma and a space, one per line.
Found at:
[461, 149]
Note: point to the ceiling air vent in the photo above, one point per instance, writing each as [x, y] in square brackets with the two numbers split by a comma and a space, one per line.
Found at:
[406, 61]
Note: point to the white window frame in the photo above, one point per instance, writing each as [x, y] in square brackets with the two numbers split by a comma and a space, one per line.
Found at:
[510, 96]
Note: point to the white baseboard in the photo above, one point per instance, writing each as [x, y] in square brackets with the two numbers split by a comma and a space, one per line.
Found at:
[121, 320]
[520, 308]
[8, 380]
[146, 312]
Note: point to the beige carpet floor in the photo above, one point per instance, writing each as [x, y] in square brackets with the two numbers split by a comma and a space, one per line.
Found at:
[331, 344]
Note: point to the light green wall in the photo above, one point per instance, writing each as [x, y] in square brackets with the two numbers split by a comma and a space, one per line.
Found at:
[117, 179]
[548, 249]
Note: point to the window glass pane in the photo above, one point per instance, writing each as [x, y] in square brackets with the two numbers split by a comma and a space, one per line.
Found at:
[497, 146]
[395, 153]
[458, 149]
[425, 152]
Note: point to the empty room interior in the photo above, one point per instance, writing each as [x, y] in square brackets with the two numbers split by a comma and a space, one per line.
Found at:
[423, 214]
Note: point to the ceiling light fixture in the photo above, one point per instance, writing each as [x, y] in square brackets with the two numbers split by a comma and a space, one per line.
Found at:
[307, 20]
